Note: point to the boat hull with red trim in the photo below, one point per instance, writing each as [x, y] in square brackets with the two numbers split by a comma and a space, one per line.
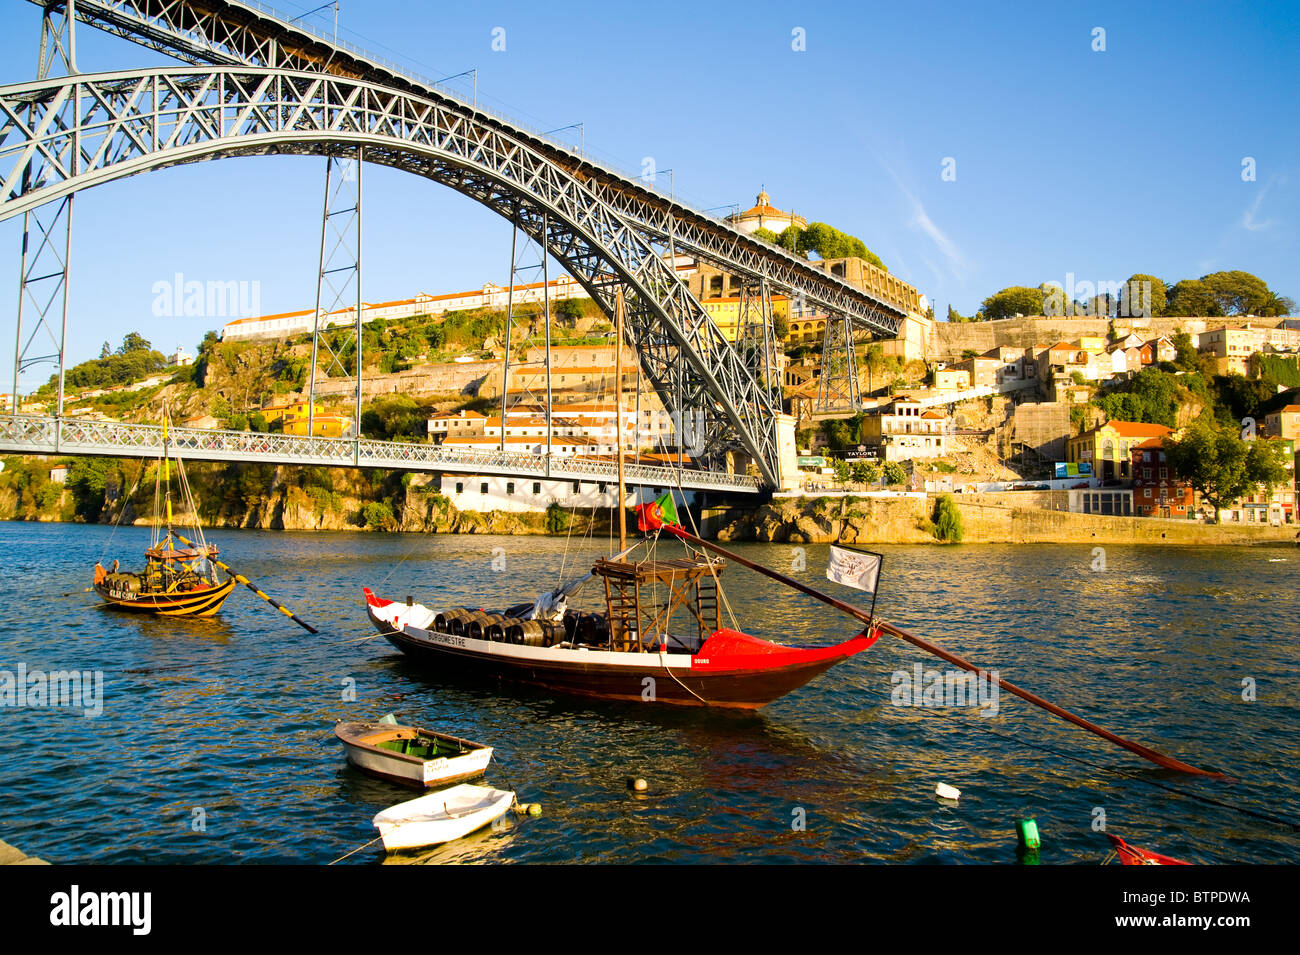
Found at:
[1133, 855]
[731, 669]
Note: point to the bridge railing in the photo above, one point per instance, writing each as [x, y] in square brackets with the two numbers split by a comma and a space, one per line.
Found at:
[34, 434]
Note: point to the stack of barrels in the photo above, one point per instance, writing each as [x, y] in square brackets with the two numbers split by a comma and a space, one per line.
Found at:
[591, 629]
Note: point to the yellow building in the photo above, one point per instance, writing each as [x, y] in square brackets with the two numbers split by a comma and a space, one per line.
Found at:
[725, 312]
[1109, 447]
[294, 417]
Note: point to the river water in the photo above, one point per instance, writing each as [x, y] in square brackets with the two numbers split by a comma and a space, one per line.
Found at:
[215, 746]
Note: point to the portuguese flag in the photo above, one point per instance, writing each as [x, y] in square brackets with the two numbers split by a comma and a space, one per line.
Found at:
[652, 516]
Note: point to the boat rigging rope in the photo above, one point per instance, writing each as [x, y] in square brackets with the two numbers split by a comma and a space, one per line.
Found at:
[717, 584]
[356, 850]
[126, 498]
[1183, 793]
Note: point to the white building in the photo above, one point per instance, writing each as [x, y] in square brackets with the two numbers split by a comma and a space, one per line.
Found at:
[519, 495]
[286, 324]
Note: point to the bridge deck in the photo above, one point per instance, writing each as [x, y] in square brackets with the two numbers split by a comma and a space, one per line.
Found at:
[35, 434]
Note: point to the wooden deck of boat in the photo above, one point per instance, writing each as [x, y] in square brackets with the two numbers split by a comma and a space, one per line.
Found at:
[9, 855]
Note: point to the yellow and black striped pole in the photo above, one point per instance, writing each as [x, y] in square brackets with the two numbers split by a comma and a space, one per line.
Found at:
[253, 587]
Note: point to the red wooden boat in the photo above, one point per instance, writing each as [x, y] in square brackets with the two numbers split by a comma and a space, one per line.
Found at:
[1132, 855]
[632, 652]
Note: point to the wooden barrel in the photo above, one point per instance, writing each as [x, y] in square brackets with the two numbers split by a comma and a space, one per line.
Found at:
[483, 626]
[531, 633]
[593, 629]
[495, 629]
[445, 622]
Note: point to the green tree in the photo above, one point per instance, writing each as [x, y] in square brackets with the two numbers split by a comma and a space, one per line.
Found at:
[106, 350]
[956, 316]
[947, 520]
[766, 235]
[864, 472]
[842, 470]
[790, 238]
[378, 515]
[780, 326]
[1240, 397]
[1238, 293]
[557, 518]
[1192, 297]
[1012, 301]
[1151, 397]
[570, 308]
[134, 341]
[88, 479]
[1135, 301]
[393, 416]
[1221, 466]
[1188, 360]
[894, 473]
[830, 243]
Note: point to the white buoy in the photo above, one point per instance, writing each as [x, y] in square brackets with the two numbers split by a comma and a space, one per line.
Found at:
[944, 791]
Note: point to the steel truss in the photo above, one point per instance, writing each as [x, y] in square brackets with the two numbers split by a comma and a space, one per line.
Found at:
[338, 280]
[229, 32]
[528, 266]
[59, 136]
[837, 389]
[47, 234]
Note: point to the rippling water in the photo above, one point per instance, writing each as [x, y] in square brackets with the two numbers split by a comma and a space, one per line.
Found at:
[233, 715]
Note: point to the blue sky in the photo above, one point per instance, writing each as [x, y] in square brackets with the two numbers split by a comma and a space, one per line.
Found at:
[1067, 160]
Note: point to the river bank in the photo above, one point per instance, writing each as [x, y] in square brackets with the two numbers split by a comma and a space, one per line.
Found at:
[987, 519]
[259, 497]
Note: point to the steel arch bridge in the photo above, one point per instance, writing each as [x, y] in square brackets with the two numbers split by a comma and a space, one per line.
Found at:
[615, 236]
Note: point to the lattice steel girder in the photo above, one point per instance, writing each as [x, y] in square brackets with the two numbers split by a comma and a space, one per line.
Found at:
[838, 385]
[59, 136]
[224, 32]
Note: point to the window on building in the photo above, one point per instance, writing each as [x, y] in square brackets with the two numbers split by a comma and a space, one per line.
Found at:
[482, 488]
[537, 487]
[577, 486]
[460, 487]
[1146, 492]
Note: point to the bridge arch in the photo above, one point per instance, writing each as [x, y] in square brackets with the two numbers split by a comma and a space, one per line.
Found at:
[59, 136]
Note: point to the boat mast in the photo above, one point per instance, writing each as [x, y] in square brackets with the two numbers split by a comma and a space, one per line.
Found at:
[618, 413]
[167, 481]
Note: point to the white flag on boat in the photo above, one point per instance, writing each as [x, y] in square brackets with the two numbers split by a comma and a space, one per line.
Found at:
[854, 568]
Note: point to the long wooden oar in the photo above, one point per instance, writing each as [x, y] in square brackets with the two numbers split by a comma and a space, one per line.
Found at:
[1160, 759]
[253, 587]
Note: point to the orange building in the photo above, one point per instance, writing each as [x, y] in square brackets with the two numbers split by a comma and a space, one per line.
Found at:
[1157, 490]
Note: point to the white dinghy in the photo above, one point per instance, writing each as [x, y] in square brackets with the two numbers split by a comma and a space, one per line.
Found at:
[441, 816]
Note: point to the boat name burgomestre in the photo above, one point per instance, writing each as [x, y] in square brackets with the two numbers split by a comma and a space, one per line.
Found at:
[70, 688]
[920, 687]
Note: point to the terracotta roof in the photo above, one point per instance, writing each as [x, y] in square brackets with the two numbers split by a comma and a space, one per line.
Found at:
[1136, 429]
[933, 414]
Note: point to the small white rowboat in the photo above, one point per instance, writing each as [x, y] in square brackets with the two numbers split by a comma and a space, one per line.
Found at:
[411, 755]
[441, 816]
